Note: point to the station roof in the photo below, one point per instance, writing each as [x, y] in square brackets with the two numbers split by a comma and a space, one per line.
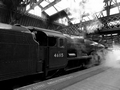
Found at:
[70, 12]
[65, 11]
[73, 10]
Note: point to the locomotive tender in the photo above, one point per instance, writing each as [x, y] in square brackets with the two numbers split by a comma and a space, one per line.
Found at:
[30, 50]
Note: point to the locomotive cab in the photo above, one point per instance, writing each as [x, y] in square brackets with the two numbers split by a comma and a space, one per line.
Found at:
[52, 48]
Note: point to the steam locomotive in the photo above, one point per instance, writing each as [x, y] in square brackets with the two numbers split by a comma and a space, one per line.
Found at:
[31, 50]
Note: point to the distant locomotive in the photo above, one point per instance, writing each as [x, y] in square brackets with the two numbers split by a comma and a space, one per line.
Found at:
[30, 50]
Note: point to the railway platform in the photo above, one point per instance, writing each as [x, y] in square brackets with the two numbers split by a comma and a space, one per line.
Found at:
[67, 82]
[108, 80]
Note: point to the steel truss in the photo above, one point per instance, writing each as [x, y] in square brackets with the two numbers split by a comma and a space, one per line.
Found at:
[108, 22]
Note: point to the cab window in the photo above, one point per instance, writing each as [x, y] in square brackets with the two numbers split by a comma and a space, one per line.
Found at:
[52, 41]
[61, 42]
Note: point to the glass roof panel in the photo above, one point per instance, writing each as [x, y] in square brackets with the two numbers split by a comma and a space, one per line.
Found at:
[97, 15]
[90, 17]
[104, 13]
[112, 3]
[63, 21]
[114, 10]
[28, 6]
[36, 11]
[60, 6]
[118, 0]
[50, 0]
[44, 3]
[75, 21]
[50, 11]
[85, 19]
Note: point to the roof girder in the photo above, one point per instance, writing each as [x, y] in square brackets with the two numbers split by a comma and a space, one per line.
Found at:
[37, 3]
[51, 4]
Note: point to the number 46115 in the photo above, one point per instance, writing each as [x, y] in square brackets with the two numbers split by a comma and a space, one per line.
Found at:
[58, 55]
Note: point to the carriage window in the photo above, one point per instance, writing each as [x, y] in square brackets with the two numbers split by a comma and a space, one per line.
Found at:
[52, 41]
[61, 42]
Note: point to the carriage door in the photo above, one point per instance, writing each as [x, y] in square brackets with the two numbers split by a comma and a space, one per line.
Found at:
[57, 52]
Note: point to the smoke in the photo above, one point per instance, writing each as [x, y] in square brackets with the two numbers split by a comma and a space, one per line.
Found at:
[74, 10]
[93, 26]
[79, 8]
[112, 57]
[93, 6]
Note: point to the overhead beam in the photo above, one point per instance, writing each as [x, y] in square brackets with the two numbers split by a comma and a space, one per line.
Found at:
[37, 3]
[51, 4]
[113, 5]
[117, 6]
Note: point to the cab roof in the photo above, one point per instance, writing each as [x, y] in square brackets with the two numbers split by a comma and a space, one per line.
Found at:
[48, 32]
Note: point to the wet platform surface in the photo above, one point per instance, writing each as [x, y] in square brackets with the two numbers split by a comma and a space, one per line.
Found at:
[108, 80]
[68, 82]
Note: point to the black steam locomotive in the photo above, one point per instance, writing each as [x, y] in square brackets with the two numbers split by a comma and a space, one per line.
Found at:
[30, 50]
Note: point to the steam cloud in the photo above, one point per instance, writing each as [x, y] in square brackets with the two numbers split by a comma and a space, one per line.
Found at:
[80, 8]
[112, 57]
[92, 27]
